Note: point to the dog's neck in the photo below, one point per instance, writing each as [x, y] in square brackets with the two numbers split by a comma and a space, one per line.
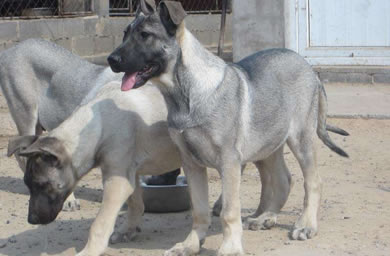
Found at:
[81, 139]
[190, 81]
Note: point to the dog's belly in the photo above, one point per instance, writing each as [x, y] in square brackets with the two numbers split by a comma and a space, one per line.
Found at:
[264, 151]
[260, 145]
[159, 158]
[207, 149]
[160, 167]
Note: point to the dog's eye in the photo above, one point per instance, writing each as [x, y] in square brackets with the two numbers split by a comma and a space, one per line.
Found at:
[145, 35]
[49, 159]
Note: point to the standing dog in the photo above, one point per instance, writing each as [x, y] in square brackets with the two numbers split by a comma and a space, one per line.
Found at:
[43, 83]
[126, 135]
[226, 115]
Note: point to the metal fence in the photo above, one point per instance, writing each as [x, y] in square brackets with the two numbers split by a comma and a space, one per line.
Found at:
[128, 7]
[30, 9]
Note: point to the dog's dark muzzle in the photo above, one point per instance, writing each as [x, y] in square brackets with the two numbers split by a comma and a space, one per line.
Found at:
[35, 219]
[43, 211]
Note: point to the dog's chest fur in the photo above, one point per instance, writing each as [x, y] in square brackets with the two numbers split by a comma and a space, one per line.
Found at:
[196, 143]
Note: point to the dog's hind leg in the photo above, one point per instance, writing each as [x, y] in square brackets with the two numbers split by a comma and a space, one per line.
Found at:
[130, 227]
[21, 93]
[26, 120]
[117, 190]
[303, 147]
[275, 187]
[198, 186]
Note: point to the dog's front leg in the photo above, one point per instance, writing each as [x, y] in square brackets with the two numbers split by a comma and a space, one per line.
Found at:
[130, 227]
[198, 185]
[231, 210]
[117, 190]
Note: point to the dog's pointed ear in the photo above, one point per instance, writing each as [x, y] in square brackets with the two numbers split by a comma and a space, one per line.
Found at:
[147, 6]
[51, 149]
[19, 143]
[172, 15]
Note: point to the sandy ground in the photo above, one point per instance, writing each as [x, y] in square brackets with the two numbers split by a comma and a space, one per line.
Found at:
[354, 215]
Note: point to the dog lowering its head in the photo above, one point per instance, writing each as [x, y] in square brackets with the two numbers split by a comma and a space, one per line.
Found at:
[48, 175]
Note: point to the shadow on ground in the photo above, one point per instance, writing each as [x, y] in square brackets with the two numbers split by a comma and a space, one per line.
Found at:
[17, 186]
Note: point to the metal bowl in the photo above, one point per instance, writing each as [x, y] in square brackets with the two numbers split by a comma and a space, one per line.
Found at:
[166, 198]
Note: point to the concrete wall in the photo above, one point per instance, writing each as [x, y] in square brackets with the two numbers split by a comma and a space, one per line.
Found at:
[257, 25]
[95, 37]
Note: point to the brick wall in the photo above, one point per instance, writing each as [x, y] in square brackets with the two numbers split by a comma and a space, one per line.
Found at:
[95, 37]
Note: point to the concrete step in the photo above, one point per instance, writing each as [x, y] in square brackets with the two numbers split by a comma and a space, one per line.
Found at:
[354, 74]
[358, 101]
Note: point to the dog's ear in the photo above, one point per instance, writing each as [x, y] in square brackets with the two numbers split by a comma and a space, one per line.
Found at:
[19, 143]
[171, 14]
[147, 6]
[51, 149]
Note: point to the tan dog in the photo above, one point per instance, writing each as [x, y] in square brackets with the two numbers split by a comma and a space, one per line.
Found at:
[125, 135]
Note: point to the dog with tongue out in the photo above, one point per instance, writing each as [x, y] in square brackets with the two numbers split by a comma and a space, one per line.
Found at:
[152, 56]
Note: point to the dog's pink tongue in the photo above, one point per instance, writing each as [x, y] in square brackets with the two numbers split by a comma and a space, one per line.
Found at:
[128, 81]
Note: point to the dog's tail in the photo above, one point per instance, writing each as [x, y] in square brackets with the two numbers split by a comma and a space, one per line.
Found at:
[337, 130]
[323, 127]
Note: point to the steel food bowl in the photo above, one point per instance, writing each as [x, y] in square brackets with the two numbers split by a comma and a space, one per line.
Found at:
[166, 198]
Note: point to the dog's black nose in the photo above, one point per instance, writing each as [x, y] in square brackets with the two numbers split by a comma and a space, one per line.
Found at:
[33, 218]
[114, 60]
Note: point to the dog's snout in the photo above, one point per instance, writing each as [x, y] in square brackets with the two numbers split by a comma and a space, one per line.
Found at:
[114, 60]
[33, 218]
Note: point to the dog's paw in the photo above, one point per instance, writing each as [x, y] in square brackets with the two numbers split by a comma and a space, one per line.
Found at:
[230, 249]
[230, 254]
[118, 237]
[179, 250]
[71, 205]
[265, 221]
[303, 233]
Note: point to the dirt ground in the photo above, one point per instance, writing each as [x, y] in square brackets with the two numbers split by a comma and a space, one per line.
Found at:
[354, 215]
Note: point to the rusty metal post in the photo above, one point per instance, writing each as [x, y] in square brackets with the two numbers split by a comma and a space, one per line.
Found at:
[222, 29]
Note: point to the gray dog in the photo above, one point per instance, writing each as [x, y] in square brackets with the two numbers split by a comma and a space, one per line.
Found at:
[43, 83]
[226, 115]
